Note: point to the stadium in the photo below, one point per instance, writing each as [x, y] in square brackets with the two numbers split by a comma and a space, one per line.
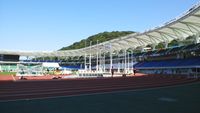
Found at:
[127, 74]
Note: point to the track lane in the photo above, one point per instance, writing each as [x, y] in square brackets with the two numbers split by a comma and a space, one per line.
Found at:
[87, 87]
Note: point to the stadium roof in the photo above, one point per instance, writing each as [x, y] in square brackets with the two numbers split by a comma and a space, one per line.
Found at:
[187, 24]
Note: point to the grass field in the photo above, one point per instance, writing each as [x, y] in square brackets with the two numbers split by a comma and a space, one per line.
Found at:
[176, 99]
[7, 73]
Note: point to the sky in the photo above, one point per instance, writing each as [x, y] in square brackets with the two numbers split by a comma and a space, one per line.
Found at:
[48, 25]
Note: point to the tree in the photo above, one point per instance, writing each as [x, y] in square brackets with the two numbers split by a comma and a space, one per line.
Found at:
[101, 37]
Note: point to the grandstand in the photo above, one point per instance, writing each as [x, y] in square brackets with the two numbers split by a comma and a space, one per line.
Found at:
[189, 66]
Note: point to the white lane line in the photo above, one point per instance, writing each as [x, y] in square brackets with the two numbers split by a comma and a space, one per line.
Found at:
[13, 78]
[167, 99]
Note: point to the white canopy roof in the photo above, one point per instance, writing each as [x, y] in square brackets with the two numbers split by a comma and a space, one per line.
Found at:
[181, 27]
[50, 64]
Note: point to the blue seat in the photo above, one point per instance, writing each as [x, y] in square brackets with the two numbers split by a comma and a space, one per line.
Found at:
[170, 63]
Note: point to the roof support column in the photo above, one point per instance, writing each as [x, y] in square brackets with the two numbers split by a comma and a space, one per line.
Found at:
[100, 61]
[166, 45]
[118, 65]
[85, 62]
[142, 49]
[27, 57]
[111, 60]
[104, 62]
[153, 47]
[132, 61]
[125, 61]
[90, 59]
[197, 38]
[128, 62]
[85, 59]
[58, 58]
[97, 64]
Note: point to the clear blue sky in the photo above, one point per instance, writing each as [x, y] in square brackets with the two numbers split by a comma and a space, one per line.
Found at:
[51, 24]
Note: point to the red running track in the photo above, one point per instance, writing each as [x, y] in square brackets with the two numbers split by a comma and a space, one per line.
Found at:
[10, 90]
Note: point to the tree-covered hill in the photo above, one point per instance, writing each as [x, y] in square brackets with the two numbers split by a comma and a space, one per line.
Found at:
[101, 37]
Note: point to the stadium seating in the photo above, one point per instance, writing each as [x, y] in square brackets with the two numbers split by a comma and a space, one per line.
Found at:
[175, 50]
[169, 63]
[75, 67]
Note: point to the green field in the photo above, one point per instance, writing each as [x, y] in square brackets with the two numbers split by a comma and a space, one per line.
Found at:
[177, 99]
[7, 73]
